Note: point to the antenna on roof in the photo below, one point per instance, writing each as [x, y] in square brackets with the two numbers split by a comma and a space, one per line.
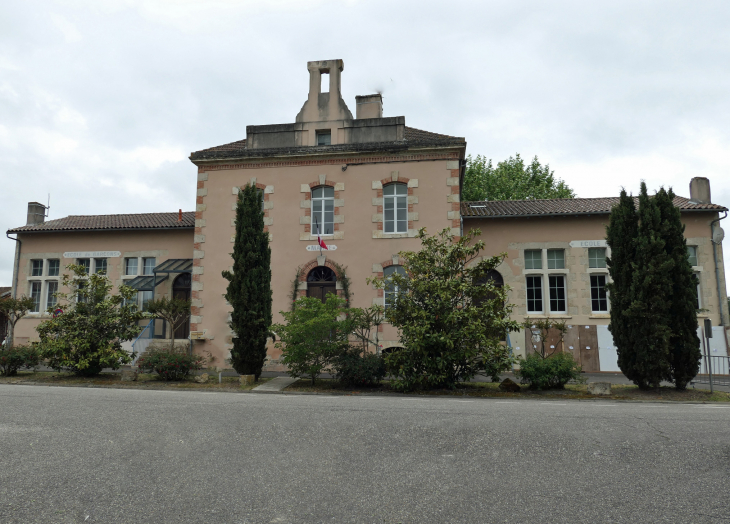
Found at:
[49, 205]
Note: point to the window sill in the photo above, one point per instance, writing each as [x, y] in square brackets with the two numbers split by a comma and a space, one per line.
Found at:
[600, 315]
[540, 315]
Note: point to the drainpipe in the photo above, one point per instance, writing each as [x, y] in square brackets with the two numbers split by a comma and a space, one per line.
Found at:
[14, 291]
[17, 264]
[717, 267]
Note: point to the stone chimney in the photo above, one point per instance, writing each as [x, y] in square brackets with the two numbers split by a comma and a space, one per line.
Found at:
[699, 190]
[36, 214]
[369, 106]
[324, 106]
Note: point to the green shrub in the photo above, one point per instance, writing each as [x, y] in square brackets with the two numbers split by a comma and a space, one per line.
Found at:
[552, 372]
[169, 364]
[314, 336]
[355, 369]
[14, 358]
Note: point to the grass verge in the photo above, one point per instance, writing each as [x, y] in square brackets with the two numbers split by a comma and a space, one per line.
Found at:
[113, 380]
[491, 389]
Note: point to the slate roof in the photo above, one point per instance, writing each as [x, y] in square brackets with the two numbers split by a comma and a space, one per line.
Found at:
[412, 136]
[112, 222]
[562, 206]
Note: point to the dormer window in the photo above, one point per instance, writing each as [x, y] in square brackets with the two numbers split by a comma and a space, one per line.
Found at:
[324, 138]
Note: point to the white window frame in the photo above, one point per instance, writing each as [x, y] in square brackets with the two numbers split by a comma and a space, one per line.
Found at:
[608, 301]
[126, 266]
[605, 255]
[547, 256]
[37, 300]
[524, 257]
[696, 256]
[395, 291]
[49, 294]
[542, 294]
[395, 200]
[565, 292]
[106, 265]
[144, 265]
[32, 268]
[322, 213]
[48, 267]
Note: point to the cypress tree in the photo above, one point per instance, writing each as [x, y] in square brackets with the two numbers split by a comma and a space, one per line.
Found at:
[249, 285]
[621, 235]
[640, 310]
[684, 345]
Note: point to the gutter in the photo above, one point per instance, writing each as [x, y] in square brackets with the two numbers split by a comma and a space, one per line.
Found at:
[717, 267]
[109, 230]
[14, 290]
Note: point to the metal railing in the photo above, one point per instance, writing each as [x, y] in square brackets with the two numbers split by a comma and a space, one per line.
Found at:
[715, 366]
[144, 339]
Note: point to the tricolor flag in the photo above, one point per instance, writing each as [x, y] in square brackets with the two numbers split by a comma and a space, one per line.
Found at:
[321, 243]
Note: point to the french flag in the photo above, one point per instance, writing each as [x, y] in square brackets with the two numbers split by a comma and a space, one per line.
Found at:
[321, 243]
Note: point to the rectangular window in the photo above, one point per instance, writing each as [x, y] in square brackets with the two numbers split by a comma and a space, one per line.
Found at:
[534, 294]
[698, 298]
[556, 258]
[395, 208]
[100, 265]
[533, 259]
[149, 265]
[146, 296]
[599, 298]
[85, 262]
[323, 210]
[130, 266]
[54, 267]
[392, 290]
[35, 294]
[51, 288]
[81, 297]
[557, 294]
[692, 252]
[324, 138]
[36, 268]
[597, 257]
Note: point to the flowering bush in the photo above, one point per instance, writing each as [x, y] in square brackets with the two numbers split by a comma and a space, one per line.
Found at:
[14, 358]
[170, 364]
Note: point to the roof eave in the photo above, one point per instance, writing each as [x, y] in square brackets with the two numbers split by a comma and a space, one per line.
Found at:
[90, 230]
[585, 213]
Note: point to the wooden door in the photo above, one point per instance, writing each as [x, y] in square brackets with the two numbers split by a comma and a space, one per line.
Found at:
[320, 289]
[553, 344]
[589, 349]
[572, 342]
[532, 341]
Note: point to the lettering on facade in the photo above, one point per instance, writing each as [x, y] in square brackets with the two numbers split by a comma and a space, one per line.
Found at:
[315, 247]
[92, 254]
[588, 243]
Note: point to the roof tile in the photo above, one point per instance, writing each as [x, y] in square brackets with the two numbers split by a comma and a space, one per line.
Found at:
[111, 222]
[562, 206]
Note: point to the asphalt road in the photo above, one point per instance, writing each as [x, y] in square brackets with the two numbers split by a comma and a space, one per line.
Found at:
[72, 455]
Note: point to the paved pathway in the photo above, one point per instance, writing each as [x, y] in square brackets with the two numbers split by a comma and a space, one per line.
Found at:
[275, 384]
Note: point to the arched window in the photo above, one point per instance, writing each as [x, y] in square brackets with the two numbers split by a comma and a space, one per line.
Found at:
[395, 208]
[323, 210]
[320, 281]
[391, 288]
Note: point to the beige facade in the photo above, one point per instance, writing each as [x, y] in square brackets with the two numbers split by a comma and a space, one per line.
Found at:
[369, 183]
[572, 239]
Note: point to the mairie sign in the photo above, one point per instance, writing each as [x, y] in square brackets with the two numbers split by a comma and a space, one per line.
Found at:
[315, 247]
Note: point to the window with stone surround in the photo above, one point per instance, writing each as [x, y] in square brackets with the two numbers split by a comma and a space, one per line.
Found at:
[391, 289]
[395, 208]
[323, 210]
[534, 294]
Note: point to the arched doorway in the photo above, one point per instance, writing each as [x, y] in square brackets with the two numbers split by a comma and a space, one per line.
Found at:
[320, 281]
[181, 289]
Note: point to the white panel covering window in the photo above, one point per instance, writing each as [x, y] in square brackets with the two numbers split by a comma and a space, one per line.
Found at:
[323, 210]
[395, 208]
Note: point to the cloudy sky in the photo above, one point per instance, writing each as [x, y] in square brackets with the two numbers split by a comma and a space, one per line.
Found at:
[102, 101]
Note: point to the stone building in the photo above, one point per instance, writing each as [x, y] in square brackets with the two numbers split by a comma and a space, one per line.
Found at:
[367, 184]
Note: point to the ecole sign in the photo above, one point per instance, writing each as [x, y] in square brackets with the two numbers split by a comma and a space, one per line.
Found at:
[92, 254]
[588, 243]
[330, 247]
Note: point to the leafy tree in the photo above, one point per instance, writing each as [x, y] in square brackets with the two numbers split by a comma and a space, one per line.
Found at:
[14, 309]
[684, 344]
[315, 334]
[641, 290]
[249, 285]
[87, 337]
[511, 180]
[174, 311]
[450, 328]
